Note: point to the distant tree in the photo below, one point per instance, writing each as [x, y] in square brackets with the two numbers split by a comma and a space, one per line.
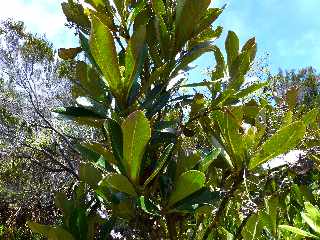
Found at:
[37, 155]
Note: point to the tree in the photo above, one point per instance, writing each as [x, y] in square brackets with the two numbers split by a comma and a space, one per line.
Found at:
[36, 156]
[142, 173]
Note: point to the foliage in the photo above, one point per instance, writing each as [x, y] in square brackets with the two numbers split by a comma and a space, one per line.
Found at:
[166, 163]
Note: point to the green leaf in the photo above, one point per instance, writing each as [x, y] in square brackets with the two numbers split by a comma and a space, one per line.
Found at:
[208, 18]
[208, 159]
[311, 216]
[58, 233]
[282, 141]
[148, 206]
[298, 231]
[196, 200]
[218, 72]
[136, 134]
[248, 90]
[89, 80]
[74, 112]
[87, 153]
[100, 149]
[119, 183]
[75, 14]
[192, 55]
[252, 229]
[90, 175]
[68, 53]
[228, 125]
[187, 161]
[310, 116]
[63, 203]
[116, 139]
[238, 70]
[188, 15]
[134, 56]
[159, 7]
[39, 228]
[104, 52]
[232, 48]
[251, 48]
[162, 160]
[292, 97]
[188, 183]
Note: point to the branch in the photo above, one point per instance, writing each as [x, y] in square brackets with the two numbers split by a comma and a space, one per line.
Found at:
[223, 204]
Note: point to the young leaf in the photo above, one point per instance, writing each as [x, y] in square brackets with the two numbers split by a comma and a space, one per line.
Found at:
[232, 47]
[136, 134]
[119, 182]
[104, 52]
[282, 141]
[188, 183]
[134, 56]
[188, 15]
[163, 159]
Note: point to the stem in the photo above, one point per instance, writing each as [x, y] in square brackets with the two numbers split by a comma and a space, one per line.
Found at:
[223, 204]
[171, 227]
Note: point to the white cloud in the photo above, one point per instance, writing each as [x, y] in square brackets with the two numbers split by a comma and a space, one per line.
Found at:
[42, 17]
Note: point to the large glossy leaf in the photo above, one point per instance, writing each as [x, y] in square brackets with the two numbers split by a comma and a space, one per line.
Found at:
[100, 149]
[136, 134]
[196, 200]
[148, 206]
[188, 183]
[298, 231]
[218, 72]
[119, 183]
[208, 18]
[89, 80]
[208, 159]
[73, 112]
[162, 160]
[188, 15]
[232, 47]
[228, 125]
[310, 116]
[282, 141]
[252, 229]
[39, 228]
[104, 52]
[90, 175]
[116, 138]
[187, 161]
[192, 55]
[134, 56]
[248, 90]
[59, 233]
[311, 216]
[251, 48]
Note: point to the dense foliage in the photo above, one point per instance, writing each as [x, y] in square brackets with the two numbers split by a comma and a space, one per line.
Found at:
[165, 158]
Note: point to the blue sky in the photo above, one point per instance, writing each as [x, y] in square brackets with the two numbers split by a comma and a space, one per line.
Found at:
[289, 30]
